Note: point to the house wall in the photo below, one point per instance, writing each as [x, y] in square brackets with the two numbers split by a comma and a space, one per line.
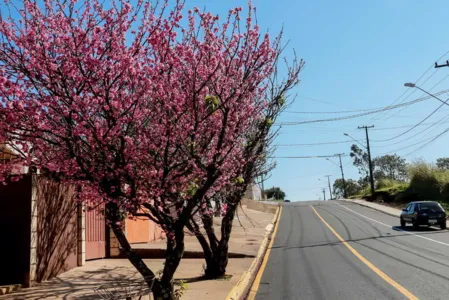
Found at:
[137, 231]
[253, 192]
[142, 231]
[15, 224]
[56, 228]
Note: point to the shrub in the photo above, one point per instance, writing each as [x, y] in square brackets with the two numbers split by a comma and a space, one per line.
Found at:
[428, 181]
[384, 183]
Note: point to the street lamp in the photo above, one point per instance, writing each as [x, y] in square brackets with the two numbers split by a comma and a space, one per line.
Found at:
[412, 85]
[333, 162]
[354, 140]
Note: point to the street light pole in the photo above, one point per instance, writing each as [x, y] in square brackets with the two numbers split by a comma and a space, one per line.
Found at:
[324, 194]
[330, 189]
[412, 85]
[354, 140]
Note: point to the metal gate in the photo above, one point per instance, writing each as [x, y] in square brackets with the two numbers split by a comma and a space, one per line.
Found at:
[95, 233]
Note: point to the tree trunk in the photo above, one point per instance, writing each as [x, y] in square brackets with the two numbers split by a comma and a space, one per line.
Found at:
[208, 255]
[223, 247]
[112, 215]
[163, 289]
[217, 208]
[216, 252]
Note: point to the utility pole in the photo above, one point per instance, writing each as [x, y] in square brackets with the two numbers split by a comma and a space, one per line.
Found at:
[324, 194]
[441, 66]
[371, 178]
[345, 193]
[329, 182]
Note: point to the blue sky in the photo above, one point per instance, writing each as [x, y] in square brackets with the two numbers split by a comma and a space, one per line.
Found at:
[358, 55]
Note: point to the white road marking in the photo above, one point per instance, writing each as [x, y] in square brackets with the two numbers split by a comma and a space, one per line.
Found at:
[398, 229]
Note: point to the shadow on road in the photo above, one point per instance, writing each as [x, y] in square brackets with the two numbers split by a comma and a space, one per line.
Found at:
[420, 229]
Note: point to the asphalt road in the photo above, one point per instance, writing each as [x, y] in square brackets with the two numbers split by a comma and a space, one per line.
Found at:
[308, 260]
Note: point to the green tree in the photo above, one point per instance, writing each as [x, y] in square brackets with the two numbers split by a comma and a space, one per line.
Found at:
[391, 167]
[360, 160]
[387, 166]
[352, 187]
[443, 163]
[275, 192]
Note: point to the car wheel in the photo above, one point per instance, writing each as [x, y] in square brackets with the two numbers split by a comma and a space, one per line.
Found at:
[402, 222]
[443, 225]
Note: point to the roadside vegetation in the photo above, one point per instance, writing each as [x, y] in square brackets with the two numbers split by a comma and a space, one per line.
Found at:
[397, 181]
[275, 194]
[425, 181]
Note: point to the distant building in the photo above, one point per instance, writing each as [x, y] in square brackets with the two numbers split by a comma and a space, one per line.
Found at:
[253, 192]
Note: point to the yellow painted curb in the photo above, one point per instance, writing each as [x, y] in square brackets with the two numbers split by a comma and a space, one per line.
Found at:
[242, 288]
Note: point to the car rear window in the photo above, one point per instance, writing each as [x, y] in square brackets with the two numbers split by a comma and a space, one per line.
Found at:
[430, 206]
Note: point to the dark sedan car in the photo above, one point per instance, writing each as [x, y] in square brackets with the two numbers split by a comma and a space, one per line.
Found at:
[423, 213]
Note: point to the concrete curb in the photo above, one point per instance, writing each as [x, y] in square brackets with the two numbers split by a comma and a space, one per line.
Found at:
[377, 209]
[160, 253]
[243, 286]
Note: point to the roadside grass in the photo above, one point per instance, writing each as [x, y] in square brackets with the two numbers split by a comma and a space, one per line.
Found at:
[427, 182]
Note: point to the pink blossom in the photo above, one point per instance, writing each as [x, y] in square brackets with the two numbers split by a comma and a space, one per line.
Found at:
[115, 101]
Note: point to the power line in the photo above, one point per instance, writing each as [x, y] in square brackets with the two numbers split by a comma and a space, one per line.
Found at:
[347, 164]
[319, 101]
[406, 126]
[332, 112]
[363, 114]
[385, 128]
[314, 144]
[433, 140]
[422, 121]
[409, 146]
[439, 122]
[312, 156]
[413, 91]
[429, 91]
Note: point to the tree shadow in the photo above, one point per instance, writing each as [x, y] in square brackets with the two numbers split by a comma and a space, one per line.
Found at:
[192, 279]
[56, 250]
[387, 236]
[82, 284]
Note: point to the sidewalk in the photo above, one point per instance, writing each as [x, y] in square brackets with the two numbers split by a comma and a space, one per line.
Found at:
[81, 282]
[379, 207]
[248, 230]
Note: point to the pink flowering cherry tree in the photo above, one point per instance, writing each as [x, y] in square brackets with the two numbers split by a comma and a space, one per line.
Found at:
[256, 150]
[144, 114]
